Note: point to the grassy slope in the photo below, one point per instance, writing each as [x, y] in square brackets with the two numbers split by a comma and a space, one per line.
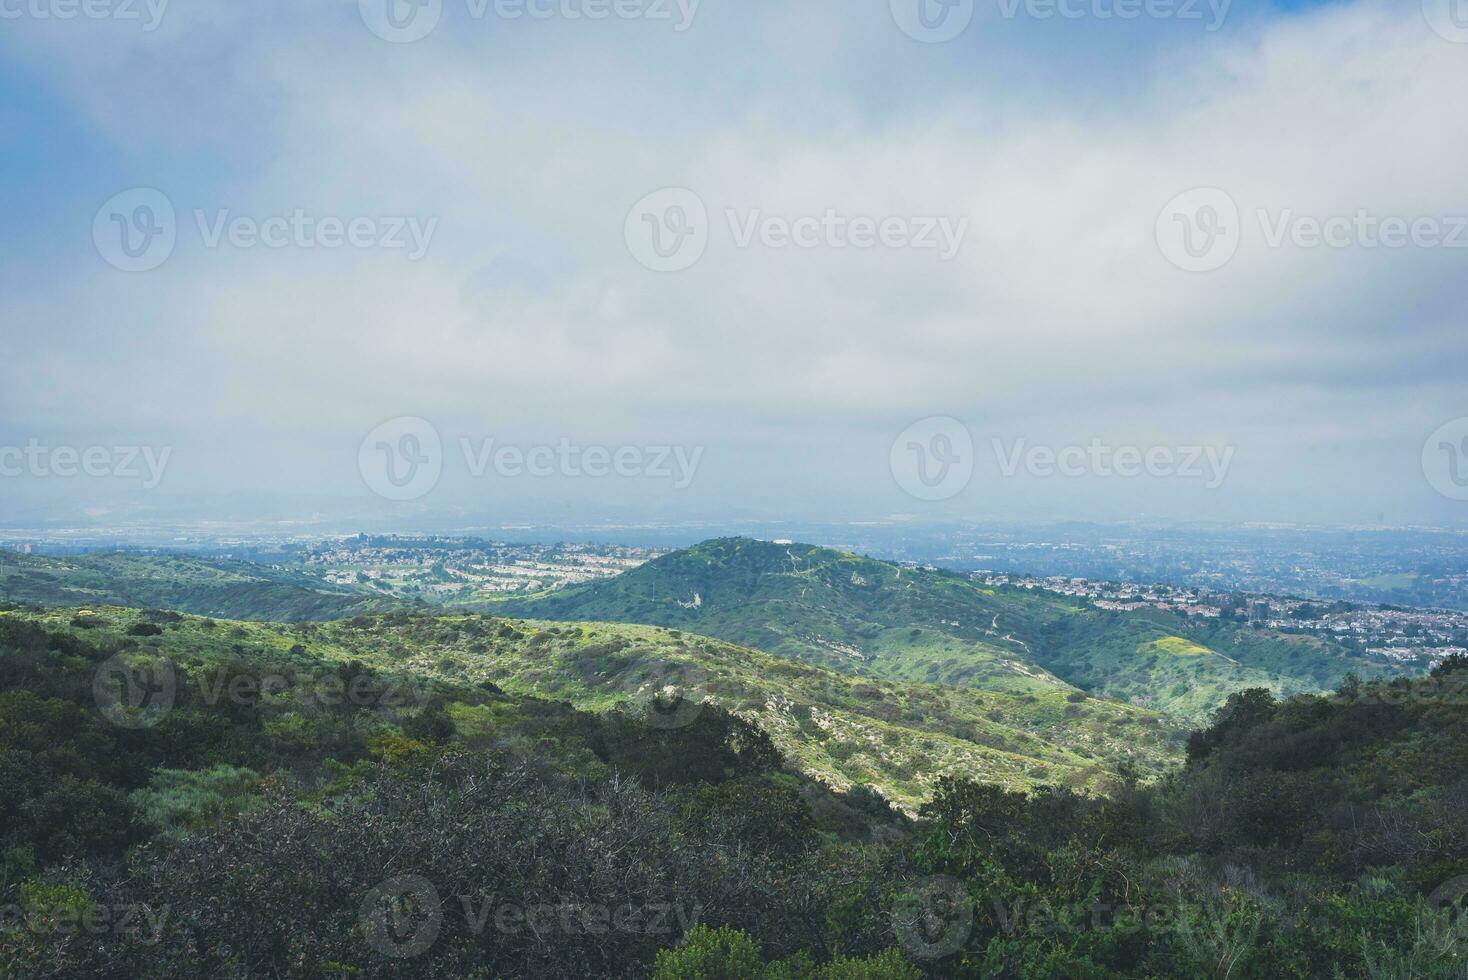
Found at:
[840, 729]
[1188, 667]
[824, 607]
[877, 619]
[233, 589]
[820, 606]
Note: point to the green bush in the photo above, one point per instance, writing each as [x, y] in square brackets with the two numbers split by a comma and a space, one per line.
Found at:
[886, 965]
[711, 954]
[176, 800]
[730, 954]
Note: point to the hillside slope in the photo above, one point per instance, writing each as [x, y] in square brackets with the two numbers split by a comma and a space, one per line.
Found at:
[874, 618]
[897, 738]
[250, 819]
[205, 587]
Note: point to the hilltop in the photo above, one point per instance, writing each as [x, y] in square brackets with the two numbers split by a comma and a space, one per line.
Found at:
[878, 619]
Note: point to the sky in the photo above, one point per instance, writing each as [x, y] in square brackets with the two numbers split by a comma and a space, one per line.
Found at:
[651, 259]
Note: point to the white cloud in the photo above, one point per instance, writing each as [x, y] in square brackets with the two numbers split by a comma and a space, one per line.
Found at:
[1058, 317]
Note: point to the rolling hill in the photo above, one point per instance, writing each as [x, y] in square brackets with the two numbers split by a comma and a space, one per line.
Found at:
[853, 615]
[249, 819]
[205, 587]
[876, 619]
[898, 738]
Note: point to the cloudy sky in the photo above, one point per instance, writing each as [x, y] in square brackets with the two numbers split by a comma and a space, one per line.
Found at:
[1090, 259]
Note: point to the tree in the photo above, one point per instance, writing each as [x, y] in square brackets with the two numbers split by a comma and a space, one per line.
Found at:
[1453, 663]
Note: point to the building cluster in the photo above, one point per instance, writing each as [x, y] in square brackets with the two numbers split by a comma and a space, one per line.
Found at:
[463, 569]
[1117, 596]
[1391, 633]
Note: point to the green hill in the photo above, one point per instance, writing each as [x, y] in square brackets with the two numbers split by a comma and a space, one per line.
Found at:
[827, 608]
[897, 738]
[206, 587]
[359, 798]
[877, 619]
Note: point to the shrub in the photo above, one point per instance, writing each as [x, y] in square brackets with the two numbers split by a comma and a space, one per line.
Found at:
[886, 965]
[711, 954]
[279, 890]
[730, 954]
[177, 799]
[1455, 663]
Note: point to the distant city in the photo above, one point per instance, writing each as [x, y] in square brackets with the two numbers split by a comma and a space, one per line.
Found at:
[1407, 637]
[461, 571]
[1400, 595]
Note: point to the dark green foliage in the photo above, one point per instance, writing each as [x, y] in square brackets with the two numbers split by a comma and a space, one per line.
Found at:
[706, 745]
[730, 954]
[767, 812]
[432, 724]
[1241, 713]
[260, 829]
[524, 874]
[1453, 663]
